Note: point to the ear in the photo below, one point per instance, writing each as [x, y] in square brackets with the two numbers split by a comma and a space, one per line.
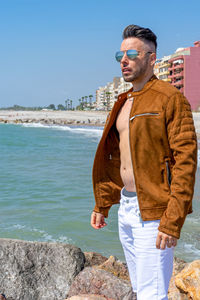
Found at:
[153, 58]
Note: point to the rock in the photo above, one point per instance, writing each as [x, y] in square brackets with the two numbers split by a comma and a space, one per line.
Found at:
[96, 281]
[94, 259]
[188, 280]
[173, 292]
[36, 270]
[88, 297]
[116, 267]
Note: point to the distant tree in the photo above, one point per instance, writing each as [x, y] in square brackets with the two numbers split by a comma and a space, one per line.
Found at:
[90, 97]
[51, 106]
[66, 104]
[61, 107]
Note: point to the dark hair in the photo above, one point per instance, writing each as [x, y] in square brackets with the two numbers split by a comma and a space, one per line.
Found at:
[140, 33]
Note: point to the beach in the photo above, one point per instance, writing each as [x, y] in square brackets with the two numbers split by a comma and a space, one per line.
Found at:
[69, 117]
[89, 118]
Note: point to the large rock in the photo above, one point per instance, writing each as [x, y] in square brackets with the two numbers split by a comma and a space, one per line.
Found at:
[94, 259]
[188, 280]
[116, 267]
[38, 271]
[96, 281]
[174, 293]
[88, 297]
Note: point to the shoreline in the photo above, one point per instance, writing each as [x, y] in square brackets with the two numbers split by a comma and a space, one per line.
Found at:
[89, 118]
[64, 118]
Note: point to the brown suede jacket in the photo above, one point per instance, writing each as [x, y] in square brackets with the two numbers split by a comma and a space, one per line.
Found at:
[164, 156]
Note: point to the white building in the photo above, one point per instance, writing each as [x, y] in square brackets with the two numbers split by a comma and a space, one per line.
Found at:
[107, 95]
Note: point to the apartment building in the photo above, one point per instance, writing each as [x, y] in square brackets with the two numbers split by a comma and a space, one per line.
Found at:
[182, 70]
[107, 95]
[161, 69]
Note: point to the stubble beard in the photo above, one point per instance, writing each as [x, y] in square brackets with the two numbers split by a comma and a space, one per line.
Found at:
[136, 74]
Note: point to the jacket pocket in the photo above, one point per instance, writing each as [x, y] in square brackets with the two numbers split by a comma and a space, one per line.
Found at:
[144, 115]
[168, 172]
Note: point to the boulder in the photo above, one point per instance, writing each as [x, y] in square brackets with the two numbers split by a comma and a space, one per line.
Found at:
[174, 293]
[94, 259]
[88, 297]
[116, 267]
[188, 280]
[96, 281]
[38, 270]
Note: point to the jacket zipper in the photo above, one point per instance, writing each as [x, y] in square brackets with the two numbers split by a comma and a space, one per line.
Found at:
[145, 114]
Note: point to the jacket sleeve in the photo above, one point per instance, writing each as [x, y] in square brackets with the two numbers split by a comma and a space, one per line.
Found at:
[183, 144]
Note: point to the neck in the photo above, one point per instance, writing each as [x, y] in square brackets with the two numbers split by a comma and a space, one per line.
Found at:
[138, 84]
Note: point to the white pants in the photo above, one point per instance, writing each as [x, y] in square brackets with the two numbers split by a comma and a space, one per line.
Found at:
[150, 269]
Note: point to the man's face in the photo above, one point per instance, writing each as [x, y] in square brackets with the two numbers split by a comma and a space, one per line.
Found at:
[139, 67]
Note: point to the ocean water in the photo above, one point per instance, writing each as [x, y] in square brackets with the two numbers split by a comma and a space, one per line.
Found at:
[46, 190]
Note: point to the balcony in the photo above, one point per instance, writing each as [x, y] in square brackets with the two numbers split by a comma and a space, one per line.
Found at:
[177, 83]
[180, 74]
[177, 66]
[167, 79]
[163, 73]
[165, 65]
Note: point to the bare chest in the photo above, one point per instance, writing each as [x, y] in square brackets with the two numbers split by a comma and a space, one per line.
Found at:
[122, 123]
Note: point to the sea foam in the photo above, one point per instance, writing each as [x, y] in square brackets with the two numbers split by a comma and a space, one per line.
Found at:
[89, 131]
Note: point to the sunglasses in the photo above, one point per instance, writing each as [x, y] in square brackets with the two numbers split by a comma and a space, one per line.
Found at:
[130, 53]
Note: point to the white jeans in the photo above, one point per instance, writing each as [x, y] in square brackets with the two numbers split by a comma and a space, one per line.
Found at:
[150, 269]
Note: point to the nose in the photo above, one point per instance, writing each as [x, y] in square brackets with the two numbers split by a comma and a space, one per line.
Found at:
[124, 59]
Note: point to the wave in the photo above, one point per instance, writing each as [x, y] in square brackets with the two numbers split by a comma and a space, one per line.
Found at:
[89, 131]
[41, 234]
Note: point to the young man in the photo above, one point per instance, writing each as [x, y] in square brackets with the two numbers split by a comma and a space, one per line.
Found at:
[146, 160]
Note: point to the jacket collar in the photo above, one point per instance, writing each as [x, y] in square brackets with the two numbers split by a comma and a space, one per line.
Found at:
[147, 86]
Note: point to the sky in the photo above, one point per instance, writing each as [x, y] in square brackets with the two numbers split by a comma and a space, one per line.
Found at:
[53, 50]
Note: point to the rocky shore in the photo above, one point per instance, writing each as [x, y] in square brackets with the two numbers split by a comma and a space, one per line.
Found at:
[44, 271]
[81, 118]
[94, 118]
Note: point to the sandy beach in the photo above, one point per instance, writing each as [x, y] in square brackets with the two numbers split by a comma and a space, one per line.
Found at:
[93, 118]
[54, 117]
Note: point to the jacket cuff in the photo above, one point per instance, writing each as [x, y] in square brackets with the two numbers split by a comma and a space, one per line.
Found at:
[175, 234]
[103, 210]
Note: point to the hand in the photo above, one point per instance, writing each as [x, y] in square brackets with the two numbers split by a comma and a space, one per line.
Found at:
[97, 220]
[164, 240]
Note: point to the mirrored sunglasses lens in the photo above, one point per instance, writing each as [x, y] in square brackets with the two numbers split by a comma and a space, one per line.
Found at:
[132, 54]
[119, 55]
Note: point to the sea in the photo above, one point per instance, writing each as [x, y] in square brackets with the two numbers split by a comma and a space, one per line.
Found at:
[46, 191]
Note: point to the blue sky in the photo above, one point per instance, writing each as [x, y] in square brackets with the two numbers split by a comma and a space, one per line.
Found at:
[51, 50]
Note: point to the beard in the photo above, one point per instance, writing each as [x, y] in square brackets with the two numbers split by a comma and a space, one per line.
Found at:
[136, 74]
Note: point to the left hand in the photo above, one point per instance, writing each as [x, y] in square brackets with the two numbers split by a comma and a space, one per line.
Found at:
[164, 240]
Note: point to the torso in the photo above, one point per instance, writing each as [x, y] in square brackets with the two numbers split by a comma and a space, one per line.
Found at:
[126, 169]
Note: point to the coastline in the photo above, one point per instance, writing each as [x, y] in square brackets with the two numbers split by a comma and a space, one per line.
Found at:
[78, 118]
[89, 118]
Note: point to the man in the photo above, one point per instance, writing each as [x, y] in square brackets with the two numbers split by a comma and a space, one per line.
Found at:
[147, 157]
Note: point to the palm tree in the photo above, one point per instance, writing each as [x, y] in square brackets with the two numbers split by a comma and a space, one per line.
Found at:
[86, 100]
[83, 102]
[90, 97]
[66, 104]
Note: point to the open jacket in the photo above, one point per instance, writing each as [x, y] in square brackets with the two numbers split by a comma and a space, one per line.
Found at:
[163, 148]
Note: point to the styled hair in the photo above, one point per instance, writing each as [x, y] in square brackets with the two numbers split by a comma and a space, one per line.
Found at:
[140, 33]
